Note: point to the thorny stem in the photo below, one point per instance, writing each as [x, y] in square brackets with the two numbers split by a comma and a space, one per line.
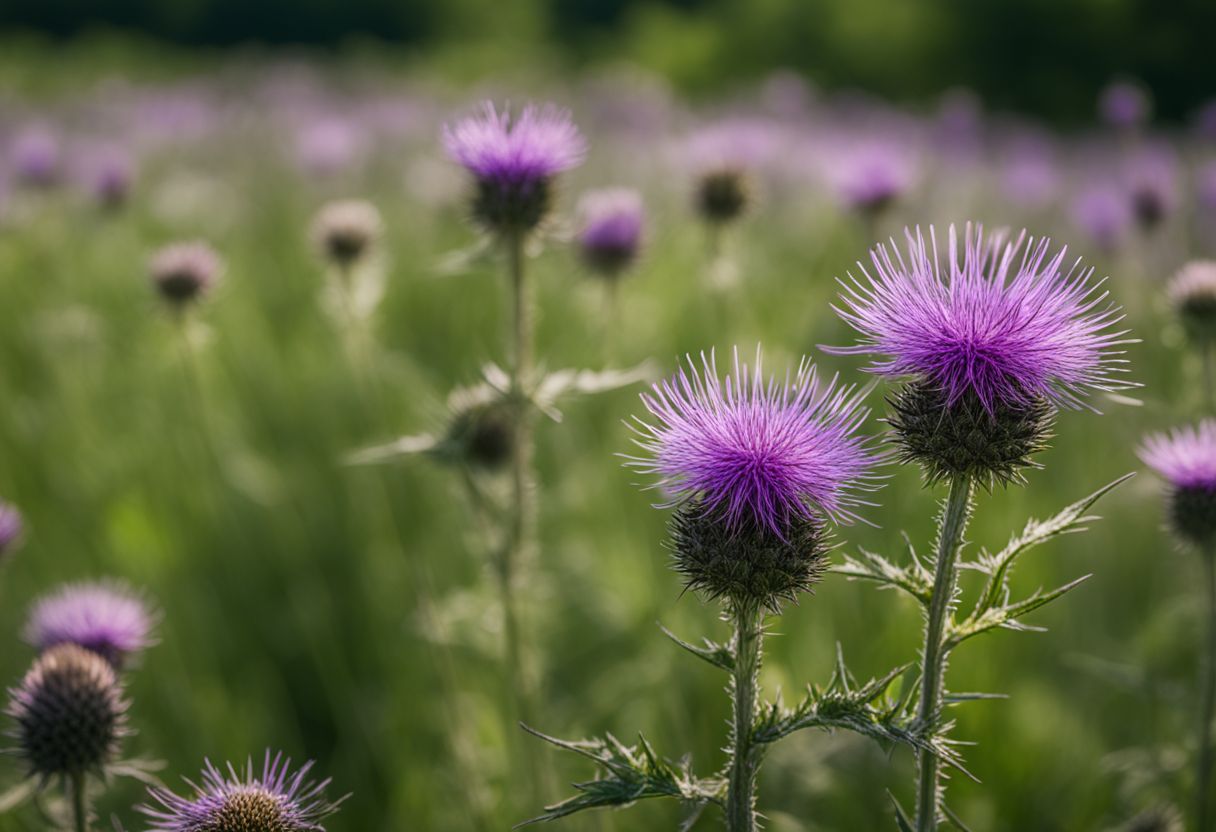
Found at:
[933, 663]
[1207, 711]
[80, 809]
[745, 752]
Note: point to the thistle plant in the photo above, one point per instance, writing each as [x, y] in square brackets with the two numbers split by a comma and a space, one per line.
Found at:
[1192, 295]
[1186, 459]
[185, 273]
[610, 234]
[756, 469]
[989, 338]
[345, 234]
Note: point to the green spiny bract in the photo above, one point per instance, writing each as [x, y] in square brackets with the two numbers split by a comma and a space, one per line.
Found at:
[723, 195]
[964, 439]
[1193, 515]
[482, 435]
[749, 564]
[512, 209]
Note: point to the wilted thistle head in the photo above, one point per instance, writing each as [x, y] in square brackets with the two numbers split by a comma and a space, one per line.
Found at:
[345, 231]
[108, 618]
[515, 162]
[11, 526]
[276, 800]
[1186, 459]
[994, 335]
[185, 272]
[1192, 293]
[1124, 104]
[70, 713]
[611, 235]
[754, 467]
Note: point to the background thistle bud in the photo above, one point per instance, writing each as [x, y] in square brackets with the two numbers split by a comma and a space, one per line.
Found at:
[185, 272]
[1186, 459]
[750, 565]
[964, 439]
[723, 195]
[1192, 293]
[344, 232]
[482, 435]
[611, 235]
[69, 711]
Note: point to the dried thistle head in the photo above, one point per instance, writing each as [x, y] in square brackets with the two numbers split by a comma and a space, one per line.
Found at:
[185, 272]
[344, 232]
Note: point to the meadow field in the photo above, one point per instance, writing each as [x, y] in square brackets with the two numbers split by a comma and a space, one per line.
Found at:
[348, 613]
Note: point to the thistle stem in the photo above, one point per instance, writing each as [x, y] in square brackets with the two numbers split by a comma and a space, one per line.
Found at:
[1207, 710]
[79, 797]
[745, 753]
[933, 663]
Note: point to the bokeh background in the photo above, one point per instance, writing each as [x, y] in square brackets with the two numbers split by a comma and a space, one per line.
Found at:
[344, 614]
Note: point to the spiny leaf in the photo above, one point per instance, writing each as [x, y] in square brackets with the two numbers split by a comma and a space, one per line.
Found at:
[913, 579]
[954, 819]
[628, 774]
[1007, 614]
[955, 698]
[901, 818]
[719, 655]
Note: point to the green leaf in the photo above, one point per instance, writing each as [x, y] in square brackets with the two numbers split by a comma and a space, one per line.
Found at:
[629, 774]
[1006, 615]
[901, 818]
[719, 655]
[913, 579]
[17, 795]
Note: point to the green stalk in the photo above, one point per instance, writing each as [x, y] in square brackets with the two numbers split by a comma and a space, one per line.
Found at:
[80, 805]
[745, 753]
[1207, 711]
[933, 663]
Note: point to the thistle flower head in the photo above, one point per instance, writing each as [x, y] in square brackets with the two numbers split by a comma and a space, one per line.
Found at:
[107, 618]
[11, 526]
[1186, 459]
[726, 157]
[277, 799]
[36, 156]
[109, 174]
[347, 230]
[1103, 214]
[1192, 293]
[515, 161]
[1124, 104]
[758, 453]
[185, 272]
[1152, 185]
[69, 712]
[1006, 322]
[872, 177]
[612, 222]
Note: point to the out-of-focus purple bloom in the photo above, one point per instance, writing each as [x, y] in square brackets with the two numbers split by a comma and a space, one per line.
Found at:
[109, 174]
[1030, 176]
[278, 799]
[739, 145]
[960, 124]
[1205, 120]
[106, 617]
[36, 156]
[328, 147]
[184, 272]
[870, 177]
[1124, 105]
[612, 222]
[787, 94]
[1205, 186]
[1152, 185]
[11, 527]
[1185, 457]
[762, 452]
[1104, 214]
[1007, 321]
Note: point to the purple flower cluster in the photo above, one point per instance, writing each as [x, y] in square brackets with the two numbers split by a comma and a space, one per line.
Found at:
[106, 617]
[541, 143]
[1006, 321]
[1185, 457]
[761, 452]
[276, 799]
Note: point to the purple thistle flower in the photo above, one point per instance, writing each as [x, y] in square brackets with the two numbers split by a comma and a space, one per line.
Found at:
[1152, 184]
[870, 178]
[106, 617]
[515, 161]
[1005, 321]
[183, 272]
[1104, 215]
[612, 223]
[11, 526]
[278, 799]
[1124, 105]
[36, 156]
[1185, 457]
[764, 454]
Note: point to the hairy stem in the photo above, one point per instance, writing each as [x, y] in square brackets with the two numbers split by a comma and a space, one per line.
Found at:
[745, 752]
[80, 802]
[1207, 711]
[933, 663]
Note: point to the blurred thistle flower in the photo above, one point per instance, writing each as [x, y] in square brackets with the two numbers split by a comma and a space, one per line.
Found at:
[11, 527]
[754, 467]
[515, 162]
[726, 157]
[109, 176]
[277, 800]
[1104, 215]
[1152, 185]
[871, 177]
[36, 156]
[1030, 176]
[1186, 459]
[108, 618]
[70, 714]
[185, 272]
[1205, 121]
[1192, 293]
[611, 221]
[1124, 105]
[345, 231]
[994, 334]
[328, 147]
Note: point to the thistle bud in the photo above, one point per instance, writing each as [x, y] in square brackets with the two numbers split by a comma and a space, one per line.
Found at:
[1186, 459]
[723, 195]
[611, 234]
[344, 232]
[481, 435]
[1192, 293]
[11, 526]
[750, 564]
[965, 438]
[185, 272]
[70, 713]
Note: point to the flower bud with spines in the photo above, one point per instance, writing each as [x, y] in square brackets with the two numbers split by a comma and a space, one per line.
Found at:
[1192, 294]
[346, 231]
[723, 195]
[1186, 459]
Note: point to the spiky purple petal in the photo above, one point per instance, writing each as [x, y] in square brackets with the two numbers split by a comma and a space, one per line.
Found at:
[106, 617]
[1184, 457]
[540, 143]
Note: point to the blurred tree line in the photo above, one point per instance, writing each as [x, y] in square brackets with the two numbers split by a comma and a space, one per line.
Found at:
[1044, 56]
